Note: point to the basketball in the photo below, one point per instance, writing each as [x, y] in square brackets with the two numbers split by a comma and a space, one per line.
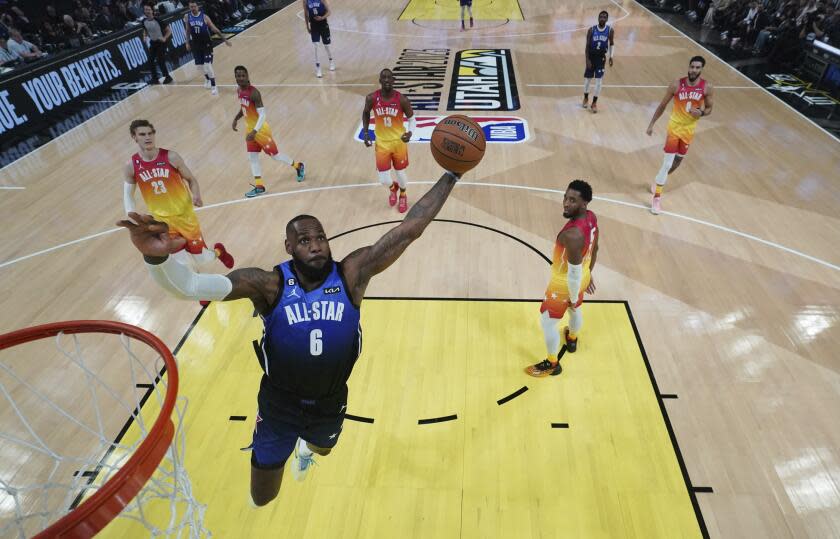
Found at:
[458, 143]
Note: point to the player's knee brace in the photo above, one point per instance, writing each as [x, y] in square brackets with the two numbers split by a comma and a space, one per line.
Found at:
[385, 178]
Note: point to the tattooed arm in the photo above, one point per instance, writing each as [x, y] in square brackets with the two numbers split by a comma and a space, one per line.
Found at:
[364, 263]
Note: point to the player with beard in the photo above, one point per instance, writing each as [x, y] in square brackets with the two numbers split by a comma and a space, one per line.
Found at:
[692, 100]
[394, 124]
[600, 39]
[575, 252]
[258, 137]
[310, 307]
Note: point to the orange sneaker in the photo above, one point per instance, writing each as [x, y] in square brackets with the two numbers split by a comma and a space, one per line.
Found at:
[403, 207]
[224, 256]
[392, 198]
[544, 368]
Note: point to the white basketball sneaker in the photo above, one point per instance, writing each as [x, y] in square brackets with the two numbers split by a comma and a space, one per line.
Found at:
[318, 72]
[207, 84]
[656, 206]
[215, 90]
[332, 65]
[301, 464]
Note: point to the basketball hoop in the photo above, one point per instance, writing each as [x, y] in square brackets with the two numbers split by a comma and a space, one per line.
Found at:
[136, 474]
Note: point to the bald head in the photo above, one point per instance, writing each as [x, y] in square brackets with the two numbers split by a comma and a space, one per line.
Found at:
[307, 242]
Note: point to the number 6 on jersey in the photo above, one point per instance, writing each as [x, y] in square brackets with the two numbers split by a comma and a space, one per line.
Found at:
[316, 345]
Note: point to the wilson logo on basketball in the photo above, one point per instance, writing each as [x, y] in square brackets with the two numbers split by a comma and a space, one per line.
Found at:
[472, 133]
[451, 146]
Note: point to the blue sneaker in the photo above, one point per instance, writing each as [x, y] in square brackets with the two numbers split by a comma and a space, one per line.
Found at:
[301, 171]
[301, 465]
[255, 192]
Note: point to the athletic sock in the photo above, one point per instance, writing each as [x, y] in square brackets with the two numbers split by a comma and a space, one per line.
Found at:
[659, 189]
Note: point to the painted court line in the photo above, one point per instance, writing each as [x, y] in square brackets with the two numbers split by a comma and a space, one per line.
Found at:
[470, 184]
[10, 187]
[635, 86]
[285, 85]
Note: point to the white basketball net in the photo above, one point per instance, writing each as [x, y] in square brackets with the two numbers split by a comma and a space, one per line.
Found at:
[58, 426]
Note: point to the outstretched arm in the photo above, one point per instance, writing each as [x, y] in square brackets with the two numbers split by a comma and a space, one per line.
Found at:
[364, 263]
[152, 239]
[612, 45]
[669, 94]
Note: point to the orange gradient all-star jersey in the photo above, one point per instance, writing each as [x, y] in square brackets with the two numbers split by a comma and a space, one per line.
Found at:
[388, 117]
[249, 110]
[687, 97]
[161, 185]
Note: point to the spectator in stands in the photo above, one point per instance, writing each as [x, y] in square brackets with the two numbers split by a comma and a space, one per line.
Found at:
[167, 6]
[121, 14]
[51, 31]
[7, 56]
[135, 10]
[786, 44]
[14, 17]
[82, 14]
[832, 29]
[780, 22]
[75, 33]
[105, 22]
[23, 48]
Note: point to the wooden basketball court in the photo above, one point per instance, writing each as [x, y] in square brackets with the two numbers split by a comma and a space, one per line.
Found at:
[702, 400]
